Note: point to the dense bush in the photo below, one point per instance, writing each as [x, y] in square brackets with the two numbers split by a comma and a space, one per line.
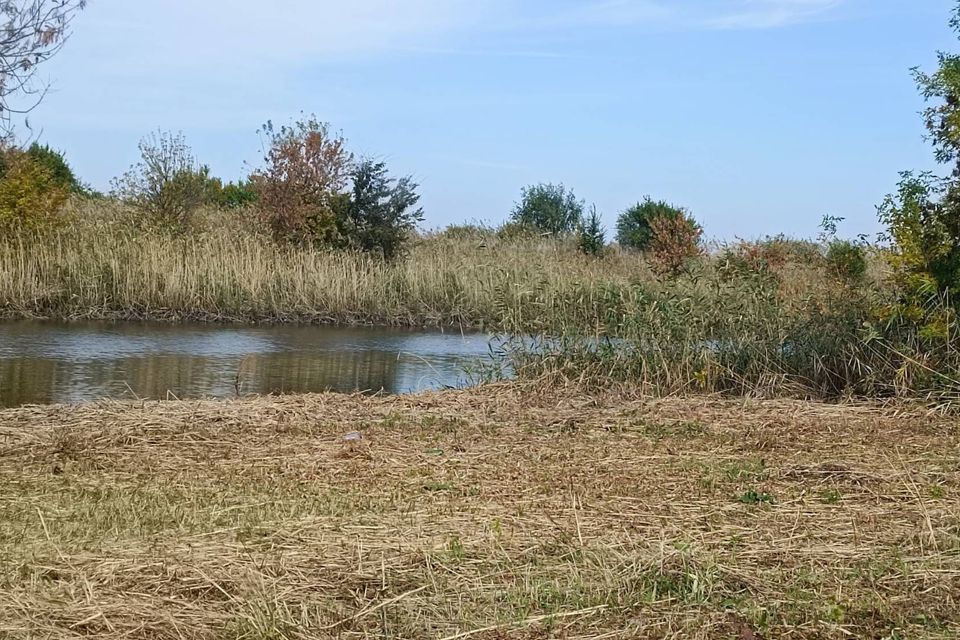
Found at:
[923, 225]
[378, 213]
[56, 164]
[768, 256]
[31, 196]
[674, 241]
[549, 208]
[634, 226]
[592, 238]
[167, 186]
[232, 195]
[847, 259]
[306, 167]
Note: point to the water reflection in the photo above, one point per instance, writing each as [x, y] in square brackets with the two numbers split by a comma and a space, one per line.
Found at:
[42, 363]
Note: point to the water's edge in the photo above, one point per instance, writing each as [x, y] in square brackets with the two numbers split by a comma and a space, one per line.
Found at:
[52, 362]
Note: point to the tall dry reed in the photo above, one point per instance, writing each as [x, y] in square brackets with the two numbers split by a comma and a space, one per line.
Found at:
[102, 266]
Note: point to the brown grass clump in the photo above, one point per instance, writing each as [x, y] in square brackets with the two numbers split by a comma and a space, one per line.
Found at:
[482, 514]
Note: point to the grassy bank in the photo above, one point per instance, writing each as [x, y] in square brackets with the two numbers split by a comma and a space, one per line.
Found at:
[774, 317]
[103, 267]
[483, 514]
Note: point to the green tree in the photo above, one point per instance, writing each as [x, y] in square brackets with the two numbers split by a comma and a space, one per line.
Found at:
[232, 195]
[634, 226]
[592, 238]
[31, 198]
[379, 212]
[56, 164]
[923, 217]
[549, 208]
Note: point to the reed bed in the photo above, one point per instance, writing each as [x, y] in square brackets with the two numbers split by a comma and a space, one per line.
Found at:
[102, 266]
[486, 514]
[769, 318]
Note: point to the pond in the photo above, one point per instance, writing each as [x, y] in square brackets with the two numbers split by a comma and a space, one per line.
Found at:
[47, 363]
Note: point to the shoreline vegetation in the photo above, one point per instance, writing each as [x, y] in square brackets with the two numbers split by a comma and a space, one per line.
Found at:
[316, 234]
[229, 269]
[490, 513]
[769, 317]
[755, 440]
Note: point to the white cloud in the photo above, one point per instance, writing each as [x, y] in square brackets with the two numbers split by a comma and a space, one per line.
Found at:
[769, 14]
[249, 32]
[677, 14]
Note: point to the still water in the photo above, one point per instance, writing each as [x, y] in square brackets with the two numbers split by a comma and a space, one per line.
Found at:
[44, 363]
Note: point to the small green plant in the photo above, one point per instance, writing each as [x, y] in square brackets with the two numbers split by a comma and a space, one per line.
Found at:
[831, 496]
[455, 548]
[549, 208]
[591, 239]
[752, 496]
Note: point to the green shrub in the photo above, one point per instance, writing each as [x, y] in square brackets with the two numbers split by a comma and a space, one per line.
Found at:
[31, 196]
[634, 230]
[923, 225]
[232, 195]
[549, 208]
[923, 217]
[56, 164]
[847, 259]
[592, 239]
[378, 214]
[167, 185]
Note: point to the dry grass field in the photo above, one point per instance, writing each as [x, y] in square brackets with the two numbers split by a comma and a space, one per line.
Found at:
[487, 514]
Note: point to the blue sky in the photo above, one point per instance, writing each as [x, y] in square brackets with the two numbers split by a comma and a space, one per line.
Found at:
[760, 116]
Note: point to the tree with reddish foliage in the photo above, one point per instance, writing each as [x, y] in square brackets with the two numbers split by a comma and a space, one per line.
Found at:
[674, 241]
[305, 167]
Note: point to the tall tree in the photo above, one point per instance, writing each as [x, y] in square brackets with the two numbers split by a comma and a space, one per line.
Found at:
[31, 32]
[923, 217]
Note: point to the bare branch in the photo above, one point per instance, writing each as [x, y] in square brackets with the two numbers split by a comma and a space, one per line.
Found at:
[31, 32]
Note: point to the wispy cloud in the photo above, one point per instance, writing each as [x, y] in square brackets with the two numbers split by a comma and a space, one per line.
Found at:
[221, 62]
[769, 14]
[679, 14]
